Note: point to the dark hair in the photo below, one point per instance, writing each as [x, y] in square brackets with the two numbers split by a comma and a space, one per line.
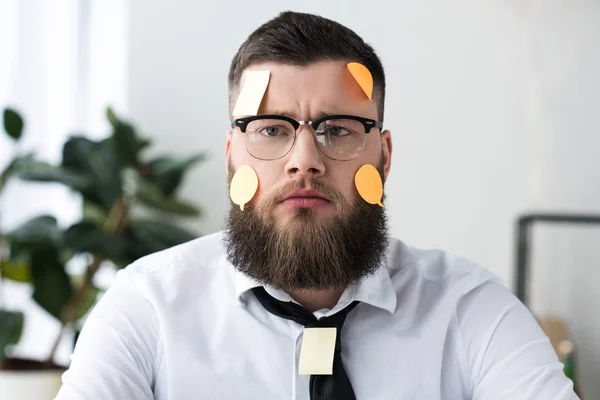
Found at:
[301, 39]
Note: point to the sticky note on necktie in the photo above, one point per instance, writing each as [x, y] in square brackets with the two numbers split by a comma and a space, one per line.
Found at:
[363, 77]
[317, 350]
[253, 90]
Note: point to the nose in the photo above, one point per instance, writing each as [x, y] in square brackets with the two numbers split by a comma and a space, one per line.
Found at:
[305, 159]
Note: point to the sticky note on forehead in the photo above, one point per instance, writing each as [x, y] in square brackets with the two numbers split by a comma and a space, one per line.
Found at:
[253, 89]
[363, 77]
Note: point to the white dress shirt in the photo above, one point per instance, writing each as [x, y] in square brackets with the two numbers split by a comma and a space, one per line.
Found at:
[184, 324]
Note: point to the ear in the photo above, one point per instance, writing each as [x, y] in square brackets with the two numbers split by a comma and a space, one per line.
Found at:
[386, 151]
[229, 137]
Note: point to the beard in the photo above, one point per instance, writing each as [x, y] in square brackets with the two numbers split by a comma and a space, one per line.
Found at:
[306, 251]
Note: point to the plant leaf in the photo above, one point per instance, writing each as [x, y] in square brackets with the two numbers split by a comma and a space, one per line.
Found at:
[125, 140]
[12, 168]
[111, 116]
[52, 287]
[145, 143]
[167, 172]
[94, 213]
[76, 312]
[13, 123]
[41, 230]
[150, 195]
[99, 162]
[39, 171]
[89, 301]
[16, 270]
[11, 329]
[127, 144]
[153, 235]
[87, 237]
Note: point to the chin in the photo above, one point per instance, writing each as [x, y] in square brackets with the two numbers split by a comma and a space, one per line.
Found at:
[302, 218]
[306, 214]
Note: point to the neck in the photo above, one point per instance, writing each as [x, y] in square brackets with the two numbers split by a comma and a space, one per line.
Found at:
[314, 300]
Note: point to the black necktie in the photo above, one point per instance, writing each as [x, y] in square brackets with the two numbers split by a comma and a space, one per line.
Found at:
[322, 387]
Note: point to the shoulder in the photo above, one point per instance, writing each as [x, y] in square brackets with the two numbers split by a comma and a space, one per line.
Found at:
[440, 275]
[191, 264]
[434, 265]
[200, 252]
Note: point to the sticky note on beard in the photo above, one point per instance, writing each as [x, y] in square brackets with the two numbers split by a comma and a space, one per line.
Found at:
[369, 185]
[243, 186]
[317, 351]
[363, 77]
[252, 92]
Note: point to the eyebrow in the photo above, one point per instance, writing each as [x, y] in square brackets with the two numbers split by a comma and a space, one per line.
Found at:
[287, 113]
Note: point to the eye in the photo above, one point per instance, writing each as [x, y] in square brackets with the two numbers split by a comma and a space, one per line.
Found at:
[340, 128]
[271, 131]
[276, 131]
[337, 131]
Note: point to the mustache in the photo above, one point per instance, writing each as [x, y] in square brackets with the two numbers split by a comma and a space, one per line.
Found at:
[277, 194]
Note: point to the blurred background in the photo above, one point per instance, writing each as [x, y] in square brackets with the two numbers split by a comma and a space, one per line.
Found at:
[494, 109]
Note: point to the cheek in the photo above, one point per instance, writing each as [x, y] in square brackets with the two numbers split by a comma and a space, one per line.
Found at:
[342, 179]
[238, 151]
[268, 177]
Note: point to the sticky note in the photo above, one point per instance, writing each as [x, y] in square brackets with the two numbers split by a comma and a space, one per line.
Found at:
[243, 186]
[363, 77]
[317, 350]
[369, 185]
[251, 95]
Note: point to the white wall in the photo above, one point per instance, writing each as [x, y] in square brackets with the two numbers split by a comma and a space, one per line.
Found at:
[61, 63]
[563, 115]
[493, 108]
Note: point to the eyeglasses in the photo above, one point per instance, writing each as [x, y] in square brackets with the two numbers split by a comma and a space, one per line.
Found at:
[339, 137]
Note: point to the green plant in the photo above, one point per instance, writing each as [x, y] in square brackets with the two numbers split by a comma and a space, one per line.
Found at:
[125, 197]
[11, 322]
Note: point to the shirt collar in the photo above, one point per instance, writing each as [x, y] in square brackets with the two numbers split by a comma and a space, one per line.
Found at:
[375, 289]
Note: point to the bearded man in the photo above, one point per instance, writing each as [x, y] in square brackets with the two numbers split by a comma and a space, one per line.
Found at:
[304, 295]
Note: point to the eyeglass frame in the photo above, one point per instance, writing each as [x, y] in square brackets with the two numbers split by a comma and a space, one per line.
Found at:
[367, 123]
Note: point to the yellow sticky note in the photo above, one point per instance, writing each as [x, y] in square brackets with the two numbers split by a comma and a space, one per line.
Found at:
[363, 77]
[317, 350]
[243, 186]
[251, 95]
[369, 185]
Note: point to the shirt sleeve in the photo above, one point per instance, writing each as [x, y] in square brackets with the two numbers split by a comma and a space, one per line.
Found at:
[510, 357]
[114, 354]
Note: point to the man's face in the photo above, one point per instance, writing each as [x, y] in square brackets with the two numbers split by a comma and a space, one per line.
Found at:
[323, 228]
[305, 93]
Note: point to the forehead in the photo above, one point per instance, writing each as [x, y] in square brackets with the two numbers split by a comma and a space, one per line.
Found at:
[323, 87]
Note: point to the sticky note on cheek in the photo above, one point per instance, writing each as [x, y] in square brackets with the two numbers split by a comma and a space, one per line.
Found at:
[251, 95]
[317, 351]
[363, 77]
[369, 185]
[243, 186]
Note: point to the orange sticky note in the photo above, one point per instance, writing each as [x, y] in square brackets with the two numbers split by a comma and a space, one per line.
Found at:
[363, 77]
[243, 186]
[369, 185]
[251, 95]
[317, 351]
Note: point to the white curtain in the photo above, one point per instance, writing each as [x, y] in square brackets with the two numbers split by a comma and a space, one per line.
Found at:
[61, 63]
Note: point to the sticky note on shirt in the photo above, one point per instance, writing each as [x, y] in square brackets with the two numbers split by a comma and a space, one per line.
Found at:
[317, 350]
[251, 95]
